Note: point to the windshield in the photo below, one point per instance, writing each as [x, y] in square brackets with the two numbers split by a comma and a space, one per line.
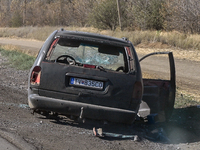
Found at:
[109, 57]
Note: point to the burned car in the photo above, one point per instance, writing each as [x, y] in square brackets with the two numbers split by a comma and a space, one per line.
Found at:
[93, 76]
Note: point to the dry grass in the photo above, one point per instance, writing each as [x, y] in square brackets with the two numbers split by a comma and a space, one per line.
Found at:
[18, 49]
[175, 39]
[193, 55]
[38, 33]
[183, 46]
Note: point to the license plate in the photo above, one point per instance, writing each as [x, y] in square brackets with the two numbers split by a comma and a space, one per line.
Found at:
[86, 83]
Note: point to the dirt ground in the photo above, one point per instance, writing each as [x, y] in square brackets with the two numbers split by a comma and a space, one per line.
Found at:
[19, 126]
[27, 131]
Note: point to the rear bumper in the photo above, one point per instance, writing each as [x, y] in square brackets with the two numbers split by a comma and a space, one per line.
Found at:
[74, 108]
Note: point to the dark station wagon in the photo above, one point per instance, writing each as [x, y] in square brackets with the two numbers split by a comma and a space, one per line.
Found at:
[93, 76]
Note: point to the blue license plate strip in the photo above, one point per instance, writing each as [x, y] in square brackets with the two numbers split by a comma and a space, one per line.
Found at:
[86, 83]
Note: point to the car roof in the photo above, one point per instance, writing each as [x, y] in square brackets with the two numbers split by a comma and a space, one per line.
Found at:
[92, 37]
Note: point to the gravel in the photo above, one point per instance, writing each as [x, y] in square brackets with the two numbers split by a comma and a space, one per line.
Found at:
[50, 133]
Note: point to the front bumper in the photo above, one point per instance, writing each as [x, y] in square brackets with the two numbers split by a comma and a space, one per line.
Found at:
[76, 108]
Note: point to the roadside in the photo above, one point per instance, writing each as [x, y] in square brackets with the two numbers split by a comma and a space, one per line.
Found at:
[191, 55]
[50, 133]
[7, 145]
[187, 62]
[10, 84]
[9, 141]
[181, 132]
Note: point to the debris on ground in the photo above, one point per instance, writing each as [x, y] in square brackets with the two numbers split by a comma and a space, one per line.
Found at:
[99, 133]
[157, 134]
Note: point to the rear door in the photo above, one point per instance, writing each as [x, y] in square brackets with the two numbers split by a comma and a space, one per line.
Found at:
[99, 75]
[159, 90]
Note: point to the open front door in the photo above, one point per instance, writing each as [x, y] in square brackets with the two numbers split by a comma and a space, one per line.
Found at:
[159, 94]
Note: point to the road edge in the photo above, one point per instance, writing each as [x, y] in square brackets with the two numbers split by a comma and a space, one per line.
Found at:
[16, 140]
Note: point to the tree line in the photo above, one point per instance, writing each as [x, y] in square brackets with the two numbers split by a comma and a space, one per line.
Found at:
[168, 15]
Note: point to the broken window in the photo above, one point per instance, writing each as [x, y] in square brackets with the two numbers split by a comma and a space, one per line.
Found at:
[107, 56]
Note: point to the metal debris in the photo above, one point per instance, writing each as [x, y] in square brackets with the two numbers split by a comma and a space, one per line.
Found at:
[157, 135]
[99, 133]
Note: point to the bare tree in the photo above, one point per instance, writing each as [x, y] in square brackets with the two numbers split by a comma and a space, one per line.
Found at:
[185, 15]
[148, 14]
[24, 12]
[16, 19]
[181, 15]
[4, 12]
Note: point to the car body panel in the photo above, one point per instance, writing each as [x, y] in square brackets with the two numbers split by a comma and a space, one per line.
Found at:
[117, 90]
[82, 110]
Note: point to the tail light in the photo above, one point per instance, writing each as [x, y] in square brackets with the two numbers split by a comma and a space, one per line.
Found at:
[137, 91]
[35, 75]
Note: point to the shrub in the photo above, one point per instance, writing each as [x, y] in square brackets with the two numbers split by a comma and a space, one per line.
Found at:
[104, 15]
[148, 14]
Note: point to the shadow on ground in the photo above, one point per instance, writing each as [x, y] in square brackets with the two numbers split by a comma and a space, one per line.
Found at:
[183, 127]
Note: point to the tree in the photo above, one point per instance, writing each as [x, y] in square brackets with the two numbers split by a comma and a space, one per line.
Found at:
[181, 15]
[148, 14]
[16, 19]
[185, 15]
[4, 12]
[105, 15]
[81, 11]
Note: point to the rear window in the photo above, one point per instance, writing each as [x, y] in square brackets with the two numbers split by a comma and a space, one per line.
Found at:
[108, 56]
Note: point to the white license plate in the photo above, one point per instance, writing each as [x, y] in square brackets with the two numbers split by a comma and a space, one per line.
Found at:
[86, 83]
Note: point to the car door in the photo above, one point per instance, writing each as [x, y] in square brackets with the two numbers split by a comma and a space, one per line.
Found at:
[65, 81]
[159, 94]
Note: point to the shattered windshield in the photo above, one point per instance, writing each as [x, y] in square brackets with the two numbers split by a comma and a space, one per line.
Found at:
[109, 57]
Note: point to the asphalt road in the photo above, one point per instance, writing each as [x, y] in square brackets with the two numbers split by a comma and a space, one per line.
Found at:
[187, 71]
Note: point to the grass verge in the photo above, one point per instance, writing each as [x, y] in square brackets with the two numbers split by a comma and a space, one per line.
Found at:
[185, 100]
[17, 59]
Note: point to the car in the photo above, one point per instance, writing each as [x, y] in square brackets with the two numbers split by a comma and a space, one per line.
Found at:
[87, 75]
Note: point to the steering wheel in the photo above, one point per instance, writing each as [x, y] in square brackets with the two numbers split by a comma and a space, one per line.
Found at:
[120, 68]
[67, 59]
